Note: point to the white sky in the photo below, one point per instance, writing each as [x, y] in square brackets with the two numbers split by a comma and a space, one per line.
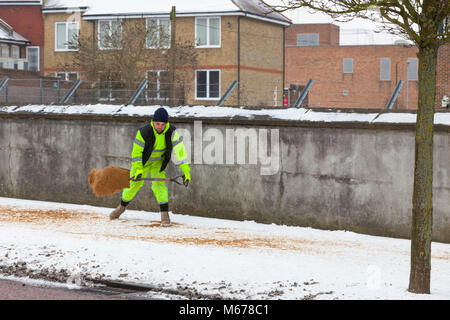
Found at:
[355, 32]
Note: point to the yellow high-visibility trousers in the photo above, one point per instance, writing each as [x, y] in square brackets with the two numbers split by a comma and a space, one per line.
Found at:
[158, 187]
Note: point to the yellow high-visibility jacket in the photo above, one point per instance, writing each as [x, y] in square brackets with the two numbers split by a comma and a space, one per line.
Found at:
[149, 145]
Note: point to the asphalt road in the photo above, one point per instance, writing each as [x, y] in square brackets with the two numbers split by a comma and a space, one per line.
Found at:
[15, 290]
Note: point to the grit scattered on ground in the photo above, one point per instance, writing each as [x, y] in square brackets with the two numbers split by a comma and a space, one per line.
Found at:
[205, 258]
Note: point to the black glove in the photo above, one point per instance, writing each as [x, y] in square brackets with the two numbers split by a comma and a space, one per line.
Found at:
[186, 181]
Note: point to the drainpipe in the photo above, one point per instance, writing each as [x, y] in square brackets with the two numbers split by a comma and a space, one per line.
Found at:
[239, 62]
[284, 66]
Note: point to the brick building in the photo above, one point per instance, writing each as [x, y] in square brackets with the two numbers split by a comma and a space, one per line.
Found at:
[354, 76]
[12, 48]
[25, 18]
[229, 47]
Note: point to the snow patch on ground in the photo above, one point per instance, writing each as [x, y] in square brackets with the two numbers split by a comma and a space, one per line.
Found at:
[212, 257]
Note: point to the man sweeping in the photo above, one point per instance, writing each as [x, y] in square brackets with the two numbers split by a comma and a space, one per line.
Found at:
[152, 150]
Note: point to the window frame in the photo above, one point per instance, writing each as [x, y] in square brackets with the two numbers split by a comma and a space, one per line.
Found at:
[110, 30]
[4, 48]
[147, 25]
[66, 75]
[208, 84]
[158, 85]
[38, 57]
[387, 65]
[109, 89]
[343, 66]
[208, 28]
[66, 23]
[15, 49]
[410, 70]
[308, 35]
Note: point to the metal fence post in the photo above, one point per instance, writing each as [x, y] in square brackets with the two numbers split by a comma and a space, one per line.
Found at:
[394, 95]
[303, 94]
[41, 93]
[72, 90]
[59, 91]
[4, 84]
[227, 93]
[138, 92]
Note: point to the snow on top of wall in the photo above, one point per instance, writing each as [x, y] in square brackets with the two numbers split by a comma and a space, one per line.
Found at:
[293, 114]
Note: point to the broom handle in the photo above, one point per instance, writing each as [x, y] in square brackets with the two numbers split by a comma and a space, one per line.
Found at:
[160, 179]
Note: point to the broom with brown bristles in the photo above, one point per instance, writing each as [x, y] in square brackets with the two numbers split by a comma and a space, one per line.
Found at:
[111, 179]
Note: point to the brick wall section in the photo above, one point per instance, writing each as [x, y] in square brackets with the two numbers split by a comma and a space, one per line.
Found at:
[27, 21]
[261, 63]
[360, 89]
[443, 73]
[328, 33]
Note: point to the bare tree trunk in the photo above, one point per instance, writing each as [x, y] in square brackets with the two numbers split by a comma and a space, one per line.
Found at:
[422, 215]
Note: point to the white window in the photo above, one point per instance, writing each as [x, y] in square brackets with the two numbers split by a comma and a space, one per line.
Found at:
[110, 86]
[5, 50]
[158, 85]
[33, 58]
[413, 69]
[207, 84]
[67, 76]
[15, 52]
[307, 39]
[348, 65]
[109, 34]
[207, 32]
[158, 33]
[385, 69]
[66, 36]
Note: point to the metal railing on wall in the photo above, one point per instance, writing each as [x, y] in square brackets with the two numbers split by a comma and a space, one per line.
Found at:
[309, 93]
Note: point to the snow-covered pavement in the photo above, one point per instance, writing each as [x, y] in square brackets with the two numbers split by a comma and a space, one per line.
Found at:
[208, 257]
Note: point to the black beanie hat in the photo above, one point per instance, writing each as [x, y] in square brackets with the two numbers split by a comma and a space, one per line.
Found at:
[161, 115]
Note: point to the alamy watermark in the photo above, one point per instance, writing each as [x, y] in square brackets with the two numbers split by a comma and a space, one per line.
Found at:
[233, 146]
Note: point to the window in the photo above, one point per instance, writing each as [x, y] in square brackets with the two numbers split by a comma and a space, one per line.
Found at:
[110, 86]
[109, 34]
[412, 69]
[348, 65]
[307, 39]
[385, 69]
[207, 32]
[158, 84]
[66, 35]
[15, 52]
[207, 84]
[5, 50]
[67, 76]
[33, 58]
[158, 33]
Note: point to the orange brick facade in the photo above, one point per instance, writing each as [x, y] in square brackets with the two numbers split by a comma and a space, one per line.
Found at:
[363, 87]
[328, 33]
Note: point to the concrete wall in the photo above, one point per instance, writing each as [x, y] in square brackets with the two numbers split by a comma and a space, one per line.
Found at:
[347, 176]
